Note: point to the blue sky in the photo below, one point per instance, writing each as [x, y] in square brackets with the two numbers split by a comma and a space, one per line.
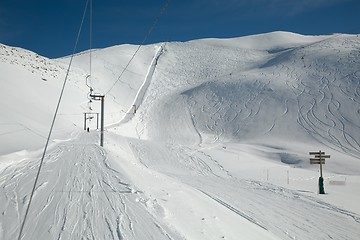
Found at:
[49, 27]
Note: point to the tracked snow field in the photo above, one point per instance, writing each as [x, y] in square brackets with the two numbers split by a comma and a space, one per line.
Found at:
[218, 147]
[79, 196]
[287, 213]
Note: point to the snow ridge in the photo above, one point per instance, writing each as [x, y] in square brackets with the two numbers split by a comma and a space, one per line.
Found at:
[142, 90]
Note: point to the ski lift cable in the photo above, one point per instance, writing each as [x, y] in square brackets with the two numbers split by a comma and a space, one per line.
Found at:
[163, 10]
[88, 77]
[90, 48]
[52, 124]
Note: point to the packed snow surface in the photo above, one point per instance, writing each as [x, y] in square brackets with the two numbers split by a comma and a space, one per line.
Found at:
[207, 139]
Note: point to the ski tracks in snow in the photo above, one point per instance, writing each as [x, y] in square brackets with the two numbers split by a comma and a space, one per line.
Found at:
[324, 95]
[79, 196]
[286, 213]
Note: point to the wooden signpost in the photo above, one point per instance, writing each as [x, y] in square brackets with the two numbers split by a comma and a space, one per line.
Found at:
[319, 158]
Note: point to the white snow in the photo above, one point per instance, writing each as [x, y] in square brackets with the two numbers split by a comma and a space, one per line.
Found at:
[218, 147]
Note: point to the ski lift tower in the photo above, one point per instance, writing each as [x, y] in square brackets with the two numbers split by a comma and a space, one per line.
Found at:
[99, 97]
[88, 116]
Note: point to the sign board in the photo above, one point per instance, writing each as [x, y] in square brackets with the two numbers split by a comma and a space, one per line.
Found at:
[319, 158]
[314, 153]
[322, 156]
[316, 161]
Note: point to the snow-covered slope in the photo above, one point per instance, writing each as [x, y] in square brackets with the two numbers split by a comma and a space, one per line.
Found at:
[308, 94]
[31, 86]
[217, 148]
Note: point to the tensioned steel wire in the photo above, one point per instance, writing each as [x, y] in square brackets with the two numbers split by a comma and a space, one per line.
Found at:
[163, 10]
[52, 123]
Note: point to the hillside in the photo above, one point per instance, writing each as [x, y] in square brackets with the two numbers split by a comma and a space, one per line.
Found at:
[217, 148]
[304, 95]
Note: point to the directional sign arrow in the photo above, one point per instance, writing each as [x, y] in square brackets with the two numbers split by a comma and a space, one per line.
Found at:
[314, 153]
[318, 158]
[322, 156]
[317, 161]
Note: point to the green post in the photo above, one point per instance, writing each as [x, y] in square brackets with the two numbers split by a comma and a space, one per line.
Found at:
[321, 185]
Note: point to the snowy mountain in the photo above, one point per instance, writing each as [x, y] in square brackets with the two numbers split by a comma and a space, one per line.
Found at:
[218, 147]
